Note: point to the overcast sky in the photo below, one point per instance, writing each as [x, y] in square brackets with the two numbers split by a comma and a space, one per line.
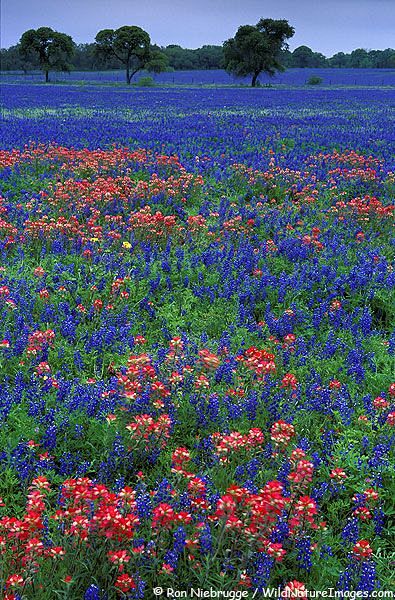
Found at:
[327, 26]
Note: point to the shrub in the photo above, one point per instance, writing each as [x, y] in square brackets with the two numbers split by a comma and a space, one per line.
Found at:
[314, 80]
[146, 82]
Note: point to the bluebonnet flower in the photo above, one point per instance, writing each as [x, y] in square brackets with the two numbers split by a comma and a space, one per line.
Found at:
[179, 540]
[49, 438]
[280, 533]
[171, 558]
[379, 456]
[351, 530]
[92, 593]
[304, 444]
[205, 539]
[347, 577]
[251, 405]
[304, 554]
[368, 578]
[144, 505]
[261, 567]
[326, 551]
[379, 520]
[283, 473]
[213, 408]
[355, 366]
[119, 484]
[391, 344]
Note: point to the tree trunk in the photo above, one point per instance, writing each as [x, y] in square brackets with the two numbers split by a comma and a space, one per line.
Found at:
[46, 76]
[129, 75]
[134, 73]
[255, 77]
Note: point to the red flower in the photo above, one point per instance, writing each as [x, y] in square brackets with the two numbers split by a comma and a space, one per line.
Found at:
[335, 384]
[391, 419]
[98, 304]
[362, 550]
[125, 583]
[338, 475]
[14, 580]
[56, 552]
[303, 473]
[371, 494]
[282, 432]
[119, 557]
[363, 513]
[335, 305]
[294, 589]
[163, 516]
[208, 360]
[39, 272]
[274, 550]
[289, 380]
[166, 569]
[380, 403]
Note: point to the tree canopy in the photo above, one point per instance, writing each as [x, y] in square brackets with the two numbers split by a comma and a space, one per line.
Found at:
[87, 57]
[257, 48]
[304, 57]
[131, 45]
[53, 50]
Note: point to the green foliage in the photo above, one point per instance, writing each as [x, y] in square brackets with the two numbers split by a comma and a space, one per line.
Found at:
[12, 60]
[256, 48]
[131, 46]
[314, 80]
[86, 58]
[303, 56]
[158, 61]
[206, 57]
[146, 82]
[53, 50]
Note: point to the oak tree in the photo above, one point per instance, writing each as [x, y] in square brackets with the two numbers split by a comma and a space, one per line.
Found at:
[131, 45]
[257, 48]
[53, 50]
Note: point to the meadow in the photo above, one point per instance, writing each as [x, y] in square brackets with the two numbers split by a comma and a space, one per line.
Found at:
[291, 77]
[197, 344]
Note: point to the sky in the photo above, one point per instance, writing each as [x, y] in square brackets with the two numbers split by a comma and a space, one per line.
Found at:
[326, 26]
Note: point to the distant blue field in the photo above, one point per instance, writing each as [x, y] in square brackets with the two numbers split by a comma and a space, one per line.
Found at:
[359, 77]
[220, 123]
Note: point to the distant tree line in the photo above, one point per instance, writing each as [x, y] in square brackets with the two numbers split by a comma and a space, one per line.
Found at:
[303, 56]
[86, 58]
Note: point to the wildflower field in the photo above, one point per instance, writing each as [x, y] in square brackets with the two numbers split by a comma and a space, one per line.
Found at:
[291, 77]
[197, 341]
